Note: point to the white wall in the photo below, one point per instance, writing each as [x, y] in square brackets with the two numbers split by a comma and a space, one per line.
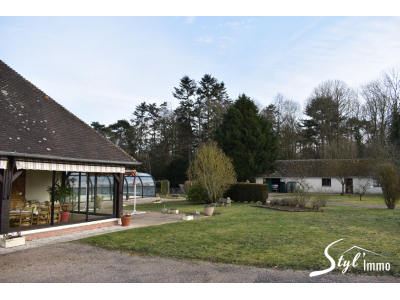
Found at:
[259, 180]
[336, 186]
[36, 184]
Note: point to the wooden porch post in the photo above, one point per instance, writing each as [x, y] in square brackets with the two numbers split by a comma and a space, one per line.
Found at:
[119, 201]
[5, 196]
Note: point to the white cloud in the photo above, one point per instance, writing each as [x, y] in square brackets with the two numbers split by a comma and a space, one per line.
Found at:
[240, 24]
[205, 39]
[189, 19]
[228, 38]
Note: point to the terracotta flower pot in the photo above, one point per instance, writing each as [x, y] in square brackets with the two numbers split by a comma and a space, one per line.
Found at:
[208, 210]
[64, 216]
[126, 220]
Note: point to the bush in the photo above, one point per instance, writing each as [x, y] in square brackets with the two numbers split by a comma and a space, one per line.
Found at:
[304, 196]
[321, 199]
[293, 202]
[284, 202]
[212, 169]
[188, 185]
[390, 185]
[251, 192]
[197, 194]
[274, 201]
[316, 204]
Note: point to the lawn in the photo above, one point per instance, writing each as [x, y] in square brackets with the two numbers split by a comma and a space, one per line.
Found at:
[347, 198]
[251, 236]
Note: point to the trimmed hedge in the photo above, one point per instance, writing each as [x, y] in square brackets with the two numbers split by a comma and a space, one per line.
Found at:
[164, 187]
[251, 192]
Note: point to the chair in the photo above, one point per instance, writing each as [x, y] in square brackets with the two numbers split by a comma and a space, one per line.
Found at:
[57, 213]
[43, 216]
[26, 217]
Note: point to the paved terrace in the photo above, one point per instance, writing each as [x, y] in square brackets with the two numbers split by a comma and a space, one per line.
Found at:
[140, 220]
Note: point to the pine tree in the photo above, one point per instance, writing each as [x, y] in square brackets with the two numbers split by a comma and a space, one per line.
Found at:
[211, 103]
[185, 115]
[247, 138]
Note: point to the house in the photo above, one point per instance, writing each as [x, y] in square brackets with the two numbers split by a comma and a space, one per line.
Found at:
[323, 175]
[44, 147]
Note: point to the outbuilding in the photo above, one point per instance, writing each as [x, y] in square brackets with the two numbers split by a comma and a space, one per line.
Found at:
[323, 175]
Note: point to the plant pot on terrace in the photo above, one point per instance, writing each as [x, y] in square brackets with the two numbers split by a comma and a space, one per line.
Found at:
[208, 210]
[62, 192]
[187, 217]
[173, 211]
[11, 240]
[64, 216]
[126, 220]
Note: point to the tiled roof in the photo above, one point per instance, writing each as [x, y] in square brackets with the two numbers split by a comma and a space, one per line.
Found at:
[323, 168]
[31, 122]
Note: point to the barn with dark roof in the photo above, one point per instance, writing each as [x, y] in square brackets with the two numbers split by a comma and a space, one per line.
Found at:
[329, 175]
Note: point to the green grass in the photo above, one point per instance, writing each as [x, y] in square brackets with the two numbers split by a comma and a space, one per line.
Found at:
[251, 236]
[353, 198]
[170, 196]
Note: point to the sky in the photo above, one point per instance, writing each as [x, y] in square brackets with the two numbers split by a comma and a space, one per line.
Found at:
[101, 68]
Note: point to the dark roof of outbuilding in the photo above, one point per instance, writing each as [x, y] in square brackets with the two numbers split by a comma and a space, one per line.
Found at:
[324, 168]
[33, 123]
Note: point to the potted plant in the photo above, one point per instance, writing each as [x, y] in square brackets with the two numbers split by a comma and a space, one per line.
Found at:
[173, 210]
[99, 201]
[208, 210]
[164, 210]
[187, 217]
[61, 193]
[12, 240]
[125, 219]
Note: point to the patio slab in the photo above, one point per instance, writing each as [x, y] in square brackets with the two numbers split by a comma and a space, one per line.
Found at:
[141, 220]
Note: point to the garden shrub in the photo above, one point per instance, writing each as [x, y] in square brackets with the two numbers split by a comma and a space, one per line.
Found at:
[389, 180]
[316, 204]
[304, 194]
[197, 194]
[250, 192]
[293, 202]
[188, 185]
[284, 202]
[322, 199]
[274, 201]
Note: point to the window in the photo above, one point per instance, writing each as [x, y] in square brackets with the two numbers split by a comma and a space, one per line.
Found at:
[326, 182]
[377, 183]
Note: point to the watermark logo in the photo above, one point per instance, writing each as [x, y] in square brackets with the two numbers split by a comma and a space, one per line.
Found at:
[346, 264]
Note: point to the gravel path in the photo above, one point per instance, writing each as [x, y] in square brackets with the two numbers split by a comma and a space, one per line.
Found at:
[73, 262]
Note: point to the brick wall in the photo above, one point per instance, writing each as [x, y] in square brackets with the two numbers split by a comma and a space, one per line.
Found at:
[45, 234]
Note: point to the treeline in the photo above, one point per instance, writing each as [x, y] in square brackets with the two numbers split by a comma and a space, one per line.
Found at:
[338, 121]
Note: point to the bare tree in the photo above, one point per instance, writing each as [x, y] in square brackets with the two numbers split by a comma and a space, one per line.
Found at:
[341, 169]
[343, 97]
[377, 110]
[329, 108]
[362, 188]
[391, 81]
[285, 115]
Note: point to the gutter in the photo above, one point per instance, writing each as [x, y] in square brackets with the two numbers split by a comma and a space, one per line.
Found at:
[3, 153]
